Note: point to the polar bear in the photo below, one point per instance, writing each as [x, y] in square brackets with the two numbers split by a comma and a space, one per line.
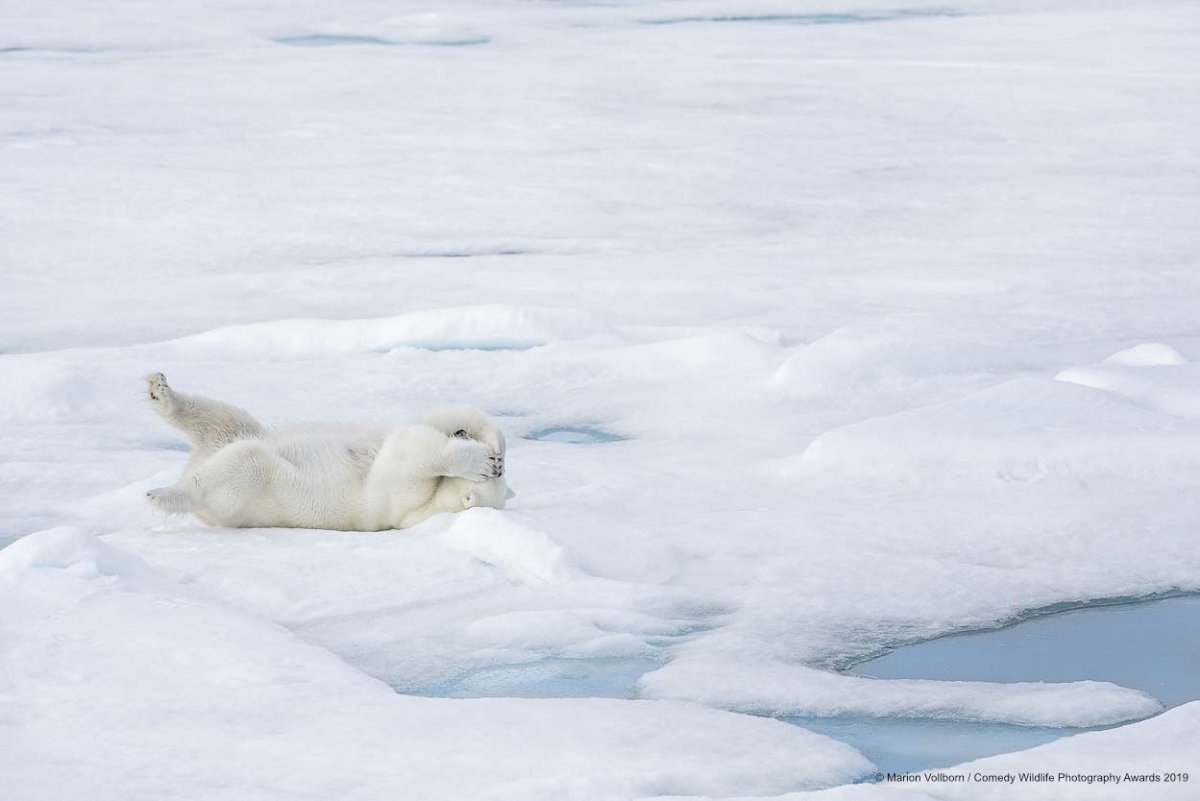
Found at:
[331, 476]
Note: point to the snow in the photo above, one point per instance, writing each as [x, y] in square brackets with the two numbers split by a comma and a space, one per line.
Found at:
[1150, 354]
[520, 553]
[889, 313]
[468, 328]
[170, 675]
[1021, 430]
[1148, 375]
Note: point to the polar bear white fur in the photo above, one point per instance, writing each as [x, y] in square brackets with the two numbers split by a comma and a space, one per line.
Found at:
[343, 477]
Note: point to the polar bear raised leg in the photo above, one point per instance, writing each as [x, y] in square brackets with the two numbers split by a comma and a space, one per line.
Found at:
[208, 424]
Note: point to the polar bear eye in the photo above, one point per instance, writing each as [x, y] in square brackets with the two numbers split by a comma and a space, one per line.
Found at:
[462, 434]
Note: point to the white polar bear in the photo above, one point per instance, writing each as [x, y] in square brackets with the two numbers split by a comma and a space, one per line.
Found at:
[343, 477]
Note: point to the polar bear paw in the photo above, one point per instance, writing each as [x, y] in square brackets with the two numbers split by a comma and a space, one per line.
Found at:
[160, 393]
[473, 461]
[496, 449]
[171, 500]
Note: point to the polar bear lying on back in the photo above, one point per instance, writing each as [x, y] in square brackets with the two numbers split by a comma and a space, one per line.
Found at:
[344, 477]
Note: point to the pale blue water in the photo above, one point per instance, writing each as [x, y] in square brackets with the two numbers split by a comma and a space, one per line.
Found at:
[827, 18]
[1150, 645]
[490, 346]
[79, 50]
[342, 40]
[331, 40]
[555, 678]
[898, 745]
[575, 435]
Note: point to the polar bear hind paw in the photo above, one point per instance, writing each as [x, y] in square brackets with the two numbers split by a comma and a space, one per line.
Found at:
[171, 500]
[159, 391]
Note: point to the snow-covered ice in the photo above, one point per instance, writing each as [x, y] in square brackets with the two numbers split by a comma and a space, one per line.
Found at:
[796, 690]
[880, 321]
[102, 640]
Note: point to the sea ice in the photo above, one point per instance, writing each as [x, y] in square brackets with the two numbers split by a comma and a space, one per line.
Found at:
[821, 277]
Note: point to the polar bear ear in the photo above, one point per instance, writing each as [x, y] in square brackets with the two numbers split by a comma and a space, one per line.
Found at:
[509, 494]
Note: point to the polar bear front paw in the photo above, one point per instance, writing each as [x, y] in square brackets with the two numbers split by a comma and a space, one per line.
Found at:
[473, 461]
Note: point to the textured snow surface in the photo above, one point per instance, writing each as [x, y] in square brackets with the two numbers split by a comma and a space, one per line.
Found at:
[171, 675]
[883, 318]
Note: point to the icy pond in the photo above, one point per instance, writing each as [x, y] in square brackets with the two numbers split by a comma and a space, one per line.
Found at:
[574, 435]
[1152, 646]
[555, 678]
